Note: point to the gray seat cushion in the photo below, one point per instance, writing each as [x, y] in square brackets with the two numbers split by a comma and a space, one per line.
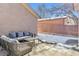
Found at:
[19, 34]
[28, 34]
[12, 34]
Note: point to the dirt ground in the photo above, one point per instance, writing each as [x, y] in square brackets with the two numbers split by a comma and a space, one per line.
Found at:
[3, 52]
[50, 50]
[44, 49]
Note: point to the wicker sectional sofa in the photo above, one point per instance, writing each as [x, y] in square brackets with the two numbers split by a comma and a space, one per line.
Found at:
[17, 47]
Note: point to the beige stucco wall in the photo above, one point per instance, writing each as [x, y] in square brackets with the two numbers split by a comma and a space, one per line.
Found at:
[14, 17]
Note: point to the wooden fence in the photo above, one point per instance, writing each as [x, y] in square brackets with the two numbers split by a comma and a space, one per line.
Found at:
[58, 29]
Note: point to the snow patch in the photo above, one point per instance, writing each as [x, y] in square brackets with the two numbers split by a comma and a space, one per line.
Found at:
[55, 38]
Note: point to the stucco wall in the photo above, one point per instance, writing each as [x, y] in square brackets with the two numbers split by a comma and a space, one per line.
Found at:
[14, 17]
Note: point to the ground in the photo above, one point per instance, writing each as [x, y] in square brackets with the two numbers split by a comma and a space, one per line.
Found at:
[56, 38]
[47, 49]
[3, 52]
[44, 49]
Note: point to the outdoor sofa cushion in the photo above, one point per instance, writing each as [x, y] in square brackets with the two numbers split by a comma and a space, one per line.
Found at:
[12, 35]
[19, 34]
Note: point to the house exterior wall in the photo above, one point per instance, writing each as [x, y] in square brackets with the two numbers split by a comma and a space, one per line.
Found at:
[14, 17]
